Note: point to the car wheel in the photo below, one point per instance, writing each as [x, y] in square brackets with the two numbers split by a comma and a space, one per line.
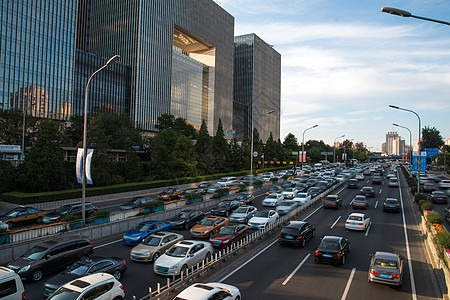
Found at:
[186, 226]
[211, 234]
[10, 225]
[303, 243]
[117, 274]
[39, 220]
[155, 256]
[36, 275]
[343, 260]
[238, 298]
[313, 233]
[184, 268]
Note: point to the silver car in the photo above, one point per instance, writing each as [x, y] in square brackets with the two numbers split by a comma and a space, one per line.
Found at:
[386, 268]
[242, 214]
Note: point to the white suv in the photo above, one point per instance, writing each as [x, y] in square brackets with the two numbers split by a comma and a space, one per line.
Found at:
[99, 286]
[212, 290]
[11, 287]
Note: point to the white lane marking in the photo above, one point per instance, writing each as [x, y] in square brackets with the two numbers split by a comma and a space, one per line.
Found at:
[340, 190]
[335, 222]
[244, 264]
[349, 282]
[408, 253]
[376, 204]
[380, 191]
[107, 244]
[296, 269]
[368, 227]
[312, 213]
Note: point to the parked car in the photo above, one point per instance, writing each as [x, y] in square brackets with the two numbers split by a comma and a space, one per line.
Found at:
[274, 189]
[360, 201]
[95, 286]
[209, 225]
[272, 200]
[142, 230]
[186, 218]
[368, 191]
[286, 206]
[225, 208]
[262, 219]
[209, 291]
[50, 256]
[296, 233]
[302, 199]
[332, 201]
[136, 202]
[74, 209]
[242, 214]
[22, 215]
[115, 266]
[332, 249]
[182, 256]
[357, 221]
[227, 235]
[438, 197]
[154, 245]
[391, 204]
[170, 193]
[386, 268]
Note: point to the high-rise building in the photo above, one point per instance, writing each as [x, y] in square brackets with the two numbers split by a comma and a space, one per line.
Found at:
[257, 84]
[390, 138]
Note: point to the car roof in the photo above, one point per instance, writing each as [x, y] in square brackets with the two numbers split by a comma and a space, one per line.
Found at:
[295, 224]
[161, 233]
[150, 222]
[386, 255]
[332, 238]
[357, 215]
[212, 217]
[198, 291]
[80, 284]
[391, 199]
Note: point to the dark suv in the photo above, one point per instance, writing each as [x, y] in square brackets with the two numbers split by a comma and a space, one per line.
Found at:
[296, 233]
[51, 256]
[69, 209]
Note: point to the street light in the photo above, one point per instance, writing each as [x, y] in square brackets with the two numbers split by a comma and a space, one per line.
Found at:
[410, 140]
[251, 151]
[418, 142]
[334, 148]
[83, 182]
[303, 142]
[407, 14]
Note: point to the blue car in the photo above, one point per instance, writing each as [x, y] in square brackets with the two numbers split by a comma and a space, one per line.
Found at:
[143, 230]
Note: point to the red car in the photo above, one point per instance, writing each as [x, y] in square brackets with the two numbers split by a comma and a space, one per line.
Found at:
[227, 235]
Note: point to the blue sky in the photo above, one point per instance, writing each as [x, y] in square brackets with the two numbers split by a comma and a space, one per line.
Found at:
[343, 62]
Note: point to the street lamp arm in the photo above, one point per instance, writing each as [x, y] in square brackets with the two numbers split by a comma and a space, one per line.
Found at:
[407, 14]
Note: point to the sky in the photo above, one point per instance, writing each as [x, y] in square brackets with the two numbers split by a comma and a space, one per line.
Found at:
[343, 62]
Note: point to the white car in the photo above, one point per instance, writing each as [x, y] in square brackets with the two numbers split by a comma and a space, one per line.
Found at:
[286, 206]
[357, 221]
[99, 286]
[340, 177]
[359, 176]
[262, 219]
[302, 199]
[444, 184]
[207, 291]
[182, 256]
[272, 200]
[289, 193]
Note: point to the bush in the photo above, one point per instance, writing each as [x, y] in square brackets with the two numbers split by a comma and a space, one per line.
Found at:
[220, 193]
[3, 230]
[100, 214]
[257, 182]
[71, 218]
[426, 205]
[434, 218]
[419, 197]
[192, 196]
[151, 204]
[442, 239]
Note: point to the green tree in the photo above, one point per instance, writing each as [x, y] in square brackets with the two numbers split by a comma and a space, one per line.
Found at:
[165, 121]
[270, 149]
[8, 176]
[11, 124]
[237, 155]
[220, 150]
[290, 143]
[431, 138]
[184, 128]
[162, 159]
[73, 136]
[203, 150]
[185, 157]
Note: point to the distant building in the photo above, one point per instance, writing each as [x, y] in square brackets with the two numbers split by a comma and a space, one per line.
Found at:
[383, 148]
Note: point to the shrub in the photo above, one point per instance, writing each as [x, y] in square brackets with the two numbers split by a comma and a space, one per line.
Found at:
[426, 205]
[3, 230]
[71, 218]
[442, 239]
[220, 193]
[419, 197]
[151, 204]
[434, 218]
[100, 214]
[192, 196]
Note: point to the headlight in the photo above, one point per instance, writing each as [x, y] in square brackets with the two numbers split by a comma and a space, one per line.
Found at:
[24, 269]
[226, 241]
[174, 267]
[206, 231]
[147, 253]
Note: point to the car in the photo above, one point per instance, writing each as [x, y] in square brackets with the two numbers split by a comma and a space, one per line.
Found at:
[115, 266]
[322, 184]
[272, 200]
[204, 186]
[186, 218]
[357, 221]
[444, 184]
[428, 187]
[22, 215]
[340, 177]
[359, 176]
[142, 230]
[225, 208]
[301, 187]
[360, 201]
[227, 235]
[332, 249]
[368, 171]
[332, 201]
[438, 197]
[208, 226]
[314, 191]
[250, 179]
[50, 256]
[352, 184]
[11, 286]
[393, 182]
[376, 179]
[94, 286]
[296, 233]
[386, 268]
[225, 180]
[289, 193]
[245, 199]
[213, 188]
[182, 256]
[192, 192]
[286, 206]
[262, 219]
[74, 209]
[209, 291]
[242, 214]
[274, 189]
[391, 204]
[302, 199]
[170, 193]
[367, 191]
[154, 245]
[136, 202]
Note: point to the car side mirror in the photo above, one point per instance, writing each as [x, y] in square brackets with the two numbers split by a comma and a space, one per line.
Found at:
[371, 254]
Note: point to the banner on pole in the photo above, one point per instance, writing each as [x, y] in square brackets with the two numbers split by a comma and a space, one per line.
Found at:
[301, 156]
[79, 168]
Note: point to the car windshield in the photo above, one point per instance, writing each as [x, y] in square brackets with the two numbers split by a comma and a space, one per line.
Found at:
[183, 215]
[141, 227]
[35, 253]
[385, 263]
[391, 201]
[226, 230]
[206, 222]
[288, 190]
[286, 203]
[355, 218]
[274, 188]
[368, 189]
[63, 209]
[151, 241]
[272, 197]
[440, 194]
[328, 198]
[241, 210]
[64, 294]
[13, 213]
[177, 251]
[332, 245]
[262, 214]
[78, 269]
[302, 195]
[289, 231]
[224, 204]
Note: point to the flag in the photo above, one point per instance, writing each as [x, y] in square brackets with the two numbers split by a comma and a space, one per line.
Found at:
[79, 168]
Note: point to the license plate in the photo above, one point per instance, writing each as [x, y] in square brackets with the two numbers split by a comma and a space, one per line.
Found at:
[354, 223]
[326, 255]
[288, 237]
[385, 275]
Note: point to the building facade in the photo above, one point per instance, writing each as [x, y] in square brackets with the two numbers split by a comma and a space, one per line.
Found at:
[257, 86]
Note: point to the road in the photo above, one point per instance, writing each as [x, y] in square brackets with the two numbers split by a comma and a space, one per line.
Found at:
[263, 277]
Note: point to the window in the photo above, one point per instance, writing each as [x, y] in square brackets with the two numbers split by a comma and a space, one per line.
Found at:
[8, 288]
[220, 295]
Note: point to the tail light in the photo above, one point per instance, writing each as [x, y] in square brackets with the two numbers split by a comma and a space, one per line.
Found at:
[300, 237]
[373, 272]
[317, 252]
[124, 262]
[337, 255]
[347, 222]
[395, 276]
[397, 206]
[121, 287]
[23, 296]
[360, 223]
[280, 235]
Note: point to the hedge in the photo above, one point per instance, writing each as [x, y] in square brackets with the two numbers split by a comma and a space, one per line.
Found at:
[426, 205]
[434, 218]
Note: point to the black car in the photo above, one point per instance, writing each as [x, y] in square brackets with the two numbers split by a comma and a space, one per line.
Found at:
[69, 210]
[368, 191]
[296, 233]
[353, 184]
[391, 204]
[136, 202]
[314, 191]
[377, 179]
[186, 218]
[225, 208]
[115, 266]
[332, 249]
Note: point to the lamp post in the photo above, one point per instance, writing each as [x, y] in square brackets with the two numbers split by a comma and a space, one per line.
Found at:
[407, 14]
[83, 182]
[410, 140]
[251, 150]
[334, 148]
[303, 141]
[418, 142]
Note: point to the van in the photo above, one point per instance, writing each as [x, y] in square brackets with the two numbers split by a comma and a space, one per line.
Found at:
[11, 287]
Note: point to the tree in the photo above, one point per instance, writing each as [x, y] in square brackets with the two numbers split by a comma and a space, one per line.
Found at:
[165, 121]
[185, 157]
[431, 138]
[161, 154]
[203, 150]
[290, 143]
[220, 151]
[73, 136]
[11, 124]
[270, 149]
[236, 157]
